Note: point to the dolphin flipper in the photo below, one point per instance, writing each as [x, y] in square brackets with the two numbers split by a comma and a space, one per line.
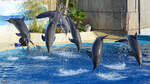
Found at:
[19, 34]
[43, 37]
[72, 40]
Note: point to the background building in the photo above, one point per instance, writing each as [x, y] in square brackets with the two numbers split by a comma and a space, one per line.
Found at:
[118, 15]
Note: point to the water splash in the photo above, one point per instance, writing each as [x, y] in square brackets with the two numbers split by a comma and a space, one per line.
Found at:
[41, 58]
[119, 66]
[12, 58]
[111, 76]
[63, 72]
[68, 54]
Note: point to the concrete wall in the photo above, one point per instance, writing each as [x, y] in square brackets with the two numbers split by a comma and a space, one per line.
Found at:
[132, 16]
[145, 17]
[117, 14]
[105, 14]
[145, 14]
[52, 5]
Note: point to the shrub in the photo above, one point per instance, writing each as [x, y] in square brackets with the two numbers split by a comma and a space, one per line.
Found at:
[34, 27]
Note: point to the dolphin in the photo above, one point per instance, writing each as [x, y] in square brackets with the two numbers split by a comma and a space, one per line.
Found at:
[49, 37]
[75, 33]
[46, 14]
[62, 21]
[97, 50]
[135, 47]
[64, 24]
[22, 28]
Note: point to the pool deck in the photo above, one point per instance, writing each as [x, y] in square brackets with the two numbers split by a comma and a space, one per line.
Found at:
[8, 39]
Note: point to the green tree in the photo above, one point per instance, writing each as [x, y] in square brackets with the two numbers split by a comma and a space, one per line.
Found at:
[32, 8]
[77, 15]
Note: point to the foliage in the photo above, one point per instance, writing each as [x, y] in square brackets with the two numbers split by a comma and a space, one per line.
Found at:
[59, 30]
[77, 15]
[36, 28]
[82, 28]
[32, 8]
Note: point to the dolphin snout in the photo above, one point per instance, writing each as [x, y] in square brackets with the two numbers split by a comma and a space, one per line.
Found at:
[8, 21]
[105, 36]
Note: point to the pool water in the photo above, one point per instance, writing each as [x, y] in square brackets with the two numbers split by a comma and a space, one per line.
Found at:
[64, 65]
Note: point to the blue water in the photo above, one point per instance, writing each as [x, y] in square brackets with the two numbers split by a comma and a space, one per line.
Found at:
[64, 65]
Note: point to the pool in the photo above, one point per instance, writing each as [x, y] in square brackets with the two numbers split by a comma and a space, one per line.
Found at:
[64, 65]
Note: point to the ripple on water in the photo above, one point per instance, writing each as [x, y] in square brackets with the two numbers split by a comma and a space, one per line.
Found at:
[119, 66]
[5, 64]
[68, 54]
[41, 58]
[63, 72]
[110, 76]
[12, 58]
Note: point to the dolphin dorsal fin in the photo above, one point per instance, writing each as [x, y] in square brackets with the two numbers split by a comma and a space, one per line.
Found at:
[72, 40]
[43, 37]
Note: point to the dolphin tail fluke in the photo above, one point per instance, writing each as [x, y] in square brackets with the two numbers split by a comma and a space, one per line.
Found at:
[43, 37]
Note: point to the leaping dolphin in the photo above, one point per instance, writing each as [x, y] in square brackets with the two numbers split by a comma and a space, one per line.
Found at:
[49, 37]
[62, 20]
[75, 33]
[64, 24]
[22, 28]
[97, 50]
[135, 47]
[46, 14]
